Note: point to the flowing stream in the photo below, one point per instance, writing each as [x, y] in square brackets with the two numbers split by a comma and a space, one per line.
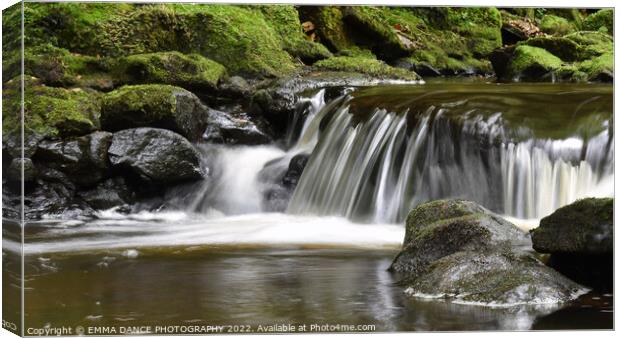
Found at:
[318, 253]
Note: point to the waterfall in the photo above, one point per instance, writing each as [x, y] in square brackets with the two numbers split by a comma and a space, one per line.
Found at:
[377, 169]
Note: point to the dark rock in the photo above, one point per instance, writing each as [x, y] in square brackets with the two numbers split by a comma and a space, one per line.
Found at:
[55, 200]
[84, 159]
[108, 194]
[295, 169]
[224, 128]
[500, 59]
[585, 226]
[154, 156]
[11, 144]
[159, 106]
[235, 87]
[579, 238]
[15, 170]
[500, 278]
[439, 228]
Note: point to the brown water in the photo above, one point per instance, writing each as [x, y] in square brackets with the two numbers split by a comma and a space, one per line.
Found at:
[248, 288]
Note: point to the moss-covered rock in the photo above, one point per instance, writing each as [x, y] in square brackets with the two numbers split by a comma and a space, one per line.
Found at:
[440, 228]
[151, 105]
[285, 21]
[579, 238]
[532, 64]
[602, 21]
[235, 36]
[191, 71]
[585, 226]
[592, 43]
[599, 69]
[329, 26]
[495, 278]
[564, 48]
[50, 111]
[556, 25]
[365, 65]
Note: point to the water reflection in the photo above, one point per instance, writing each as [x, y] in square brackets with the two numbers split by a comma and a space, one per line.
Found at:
[250, 288]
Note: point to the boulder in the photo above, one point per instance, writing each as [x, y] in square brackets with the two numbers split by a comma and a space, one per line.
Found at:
[55, 200]
[108, 194]
[494, 278]
[224, 128]
[439, 228]
[160, 106]
[295, 169]
[154, 155]
[579, 238]
[532, 64]
[459, 250]
[83, 159]
[15, 170]
[555, 25]
[190, 71]
[50, 111]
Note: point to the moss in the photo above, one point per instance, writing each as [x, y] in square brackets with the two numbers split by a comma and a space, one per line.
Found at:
[600, 68]
[58, 67]
[365, 65]
[602, 21]
[565, 49]
[51, 111]
[481, 26]
[237, 37]
[592, 43]
[555, 25]
[584, 226]
[329, 26]
[285, 21]
[532, 63]
[190, 71]
[150, 102]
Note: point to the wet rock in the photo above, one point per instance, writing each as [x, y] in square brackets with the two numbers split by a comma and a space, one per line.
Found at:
[160, 106]
[532, 64]
[235, 87]
[108, 194]
[15, 170]
[55, 200]
[496, 278]
[439, 228]
[579, 238]
[295, 169]
[457, 249]
[154, 156]
[224, 128]
[84, 159]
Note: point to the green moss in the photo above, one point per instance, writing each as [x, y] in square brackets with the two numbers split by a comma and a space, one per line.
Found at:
[583, 226]
[190, 71]
[564, 48]
[237, 37]
[285, 21]
[600, 68]
[151, 101]
[365, 65]
[329, 26]
[555, 25]
[602, 21]
[592, 43]
[51, 111]
[532, 63]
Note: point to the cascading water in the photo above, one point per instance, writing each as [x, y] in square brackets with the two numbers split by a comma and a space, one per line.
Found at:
[377, 169]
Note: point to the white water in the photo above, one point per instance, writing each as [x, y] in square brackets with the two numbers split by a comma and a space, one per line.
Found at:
[375, 171]
[158, 230]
